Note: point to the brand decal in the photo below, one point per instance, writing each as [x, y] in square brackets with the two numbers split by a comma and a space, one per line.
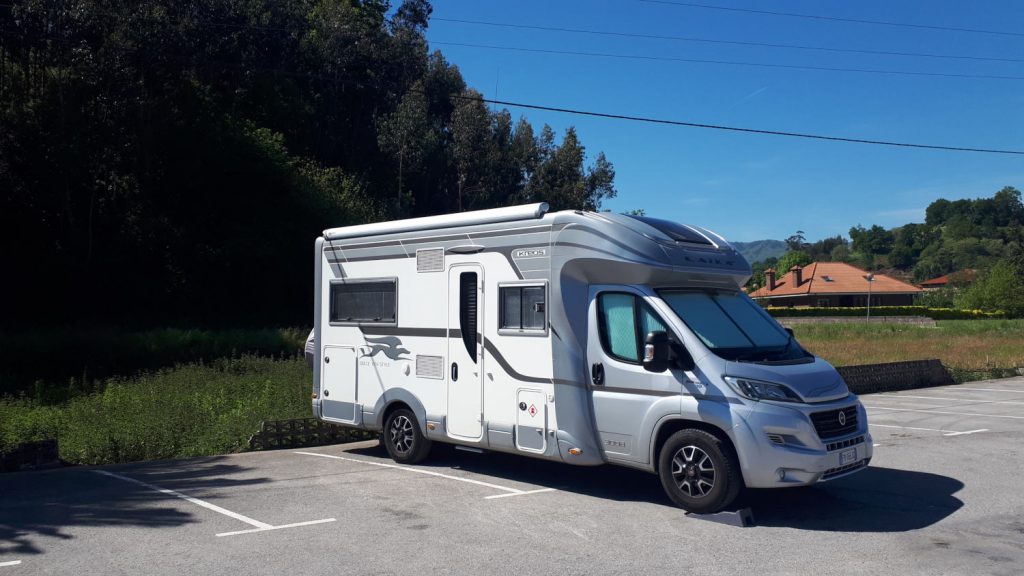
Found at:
[530, 253]
[391, 346]
[710, 260]
[842, 418]
[615, 443]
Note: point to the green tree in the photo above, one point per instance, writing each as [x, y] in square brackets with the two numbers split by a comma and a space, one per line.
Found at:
[1000, 288]
[790, 259]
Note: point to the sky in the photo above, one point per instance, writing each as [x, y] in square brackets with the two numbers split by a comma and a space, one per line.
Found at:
[748, 186]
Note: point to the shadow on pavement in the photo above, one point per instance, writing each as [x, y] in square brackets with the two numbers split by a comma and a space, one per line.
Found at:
[37, 505]
[873, 500]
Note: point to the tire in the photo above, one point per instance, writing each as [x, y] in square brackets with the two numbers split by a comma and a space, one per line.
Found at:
[403, 439]
[699, 472]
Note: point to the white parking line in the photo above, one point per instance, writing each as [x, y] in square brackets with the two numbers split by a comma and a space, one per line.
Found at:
[991, 389]
[259, 526]
[938, 412]
[519, 494]
[11, 563]
[957, 398]
[511, 491]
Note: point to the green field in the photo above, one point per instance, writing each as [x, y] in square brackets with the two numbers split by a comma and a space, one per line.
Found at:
[966, 347]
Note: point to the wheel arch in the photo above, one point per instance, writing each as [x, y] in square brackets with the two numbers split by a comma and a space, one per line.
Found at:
[395, 399]
[670, 426]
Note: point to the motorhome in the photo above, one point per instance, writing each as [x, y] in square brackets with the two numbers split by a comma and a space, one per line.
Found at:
[580, 337]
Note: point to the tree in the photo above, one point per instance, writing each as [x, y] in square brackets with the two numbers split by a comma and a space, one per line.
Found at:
[790, 259]
[874, 240]
[796, 241]
[1001, 288]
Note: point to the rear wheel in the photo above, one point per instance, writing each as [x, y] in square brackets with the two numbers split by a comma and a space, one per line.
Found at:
[403, 439]
[699, 471]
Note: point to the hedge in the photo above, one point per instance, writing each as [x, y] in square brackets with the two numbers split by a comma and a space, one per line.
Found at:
[934, 313]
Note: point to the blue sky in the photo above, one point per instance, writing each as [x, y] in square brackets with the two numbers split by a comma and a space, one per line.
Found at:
[750, 187]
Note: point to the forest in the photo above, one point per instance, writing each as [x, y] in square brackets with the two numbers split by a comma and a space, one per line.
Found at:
[171, 162]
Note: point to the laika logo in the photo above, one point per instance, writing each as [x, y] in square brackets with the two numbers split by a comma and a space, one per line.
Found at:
[389, 345]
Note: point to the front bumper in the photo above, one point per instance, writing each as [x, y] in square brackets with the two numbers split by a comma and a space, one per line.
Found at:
[778, 445]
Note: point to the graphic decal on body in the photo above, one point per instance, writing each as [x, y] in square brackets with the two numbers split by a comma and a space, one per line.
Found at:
[389, 345]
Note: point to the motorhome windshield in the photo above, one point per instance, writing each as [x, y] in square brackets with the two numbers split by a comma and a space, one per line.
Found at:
[733, 326]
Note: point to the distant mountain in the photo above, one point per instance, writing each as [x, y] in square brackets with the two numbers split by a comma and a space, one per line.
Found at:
[759, 250]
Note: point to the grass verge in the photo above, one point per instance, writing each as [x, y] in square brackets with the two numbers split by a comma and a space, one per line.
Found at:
[189, 410]
[981, 346]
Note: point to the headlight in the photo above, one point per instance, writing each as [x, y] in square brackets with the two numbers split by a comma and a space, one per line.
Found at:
[761, 390]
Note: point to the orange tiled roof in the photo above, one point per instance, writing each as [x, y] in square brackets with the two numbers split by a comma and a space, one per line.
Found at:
[963, 275]
[833, 278]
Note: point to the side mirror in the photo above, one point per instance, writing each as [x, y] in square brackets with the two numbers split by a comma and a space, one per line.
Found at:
[682, 356]
[656, 352]
[788, 330]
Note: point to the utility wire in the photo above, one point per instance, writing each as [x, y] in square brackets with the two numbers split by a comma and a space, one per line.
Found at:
[830, 18]
[727, 128]
[715, 41]
[729, 62]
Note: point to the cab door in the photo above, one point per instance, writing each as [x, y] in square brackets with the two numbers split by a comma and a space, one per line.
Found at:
[623, 392]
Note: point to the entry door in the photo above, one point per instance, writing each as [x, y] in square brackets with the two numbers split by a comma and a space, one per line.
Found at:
[338, 377]
[465, 351]
[623, 392]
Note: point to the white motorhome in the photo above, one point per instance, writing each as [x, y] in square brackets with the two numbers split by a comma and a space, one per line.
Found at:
[581, 337]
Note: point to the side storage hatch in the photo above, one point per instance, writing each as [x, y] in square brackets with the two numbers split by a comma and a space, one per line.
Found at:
[338, 377]
[531, 421]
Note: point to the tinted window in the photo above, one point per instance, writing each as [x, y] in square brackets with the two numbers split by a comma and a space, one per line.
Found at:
[674, 230]
[624, 321]
[725, 320]
[522, 308]
[363, 302]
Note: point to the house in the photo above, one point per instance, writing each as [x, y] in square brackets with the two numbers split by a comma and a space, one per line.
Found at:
[961, 278]
[833, 284]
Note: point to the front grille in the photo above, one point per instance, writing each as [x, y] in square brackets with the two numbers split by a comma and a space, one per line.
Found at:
[841, 470]
[827, 423]
[844, 444]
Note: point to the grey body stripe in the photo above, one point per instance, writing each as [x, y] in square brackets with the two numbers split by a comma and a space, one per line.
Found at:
[385, 331]
[489, 347]
[637, 391]
[434, 239]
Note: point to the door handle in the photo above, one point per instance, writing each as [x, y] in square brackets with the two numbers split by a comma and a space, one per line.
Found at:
[455, 371]
[597, 373]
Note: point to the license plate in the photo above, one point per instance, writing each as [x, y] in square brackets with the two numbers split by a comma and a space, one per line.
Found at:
[847, 456]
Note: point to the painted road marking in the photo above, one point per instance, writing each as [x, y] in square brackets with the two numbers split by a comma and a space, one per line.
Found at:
[991, 389]
[11, 563]
[295, 525]
[960, 399]
[511, 491]
[259, 526]
[195, 501]
[945, 432]
[519, 494]
[938, 412]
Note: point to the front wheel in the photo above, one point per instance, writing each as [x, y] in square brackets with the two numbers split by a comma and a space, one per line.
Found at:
[699, 471]
[403, 439]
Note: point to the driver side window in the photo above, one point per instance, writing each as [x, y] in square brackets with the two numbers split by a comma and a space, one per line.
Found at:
[623, 322]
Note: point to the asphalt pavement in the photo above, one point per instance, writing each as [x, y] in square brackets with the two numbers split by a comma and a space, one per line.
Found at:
[942, 496]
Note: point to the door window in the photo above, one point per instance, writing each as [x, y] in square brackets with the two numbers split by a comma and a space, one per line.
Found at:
[468, 311]
[624, 320]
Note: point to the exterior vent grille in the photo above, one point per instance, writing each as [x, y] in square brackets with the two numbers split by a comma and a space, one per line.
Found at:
[830, 425]
[843, 470]
[776, 439]
[844, 444]
[430, 367]
[430, 260]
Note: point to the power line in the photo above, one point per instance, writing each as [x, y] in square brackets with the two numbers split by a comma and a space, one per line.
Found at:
[729, 62]
[715, 41]
[831, 18]
[728, 128]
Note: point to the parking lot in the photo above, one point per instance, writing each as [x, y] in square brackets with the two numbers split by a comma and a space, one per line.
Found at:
[943, 495]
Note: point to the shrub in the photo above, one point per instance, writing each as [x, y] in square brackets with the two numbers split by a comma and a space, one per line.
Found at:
[934, 313]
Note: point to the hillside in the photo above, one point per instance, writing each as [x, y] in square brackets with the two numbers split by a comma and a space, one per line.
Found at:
[760, 250]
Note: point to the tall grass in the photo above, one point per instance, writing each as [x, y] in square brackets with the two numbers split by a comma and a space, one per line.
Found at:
[189, 410]
[965, 345]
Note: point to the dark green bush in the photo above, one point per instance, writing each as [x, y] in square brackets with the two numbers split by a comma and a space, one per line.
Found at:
[934, 313]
